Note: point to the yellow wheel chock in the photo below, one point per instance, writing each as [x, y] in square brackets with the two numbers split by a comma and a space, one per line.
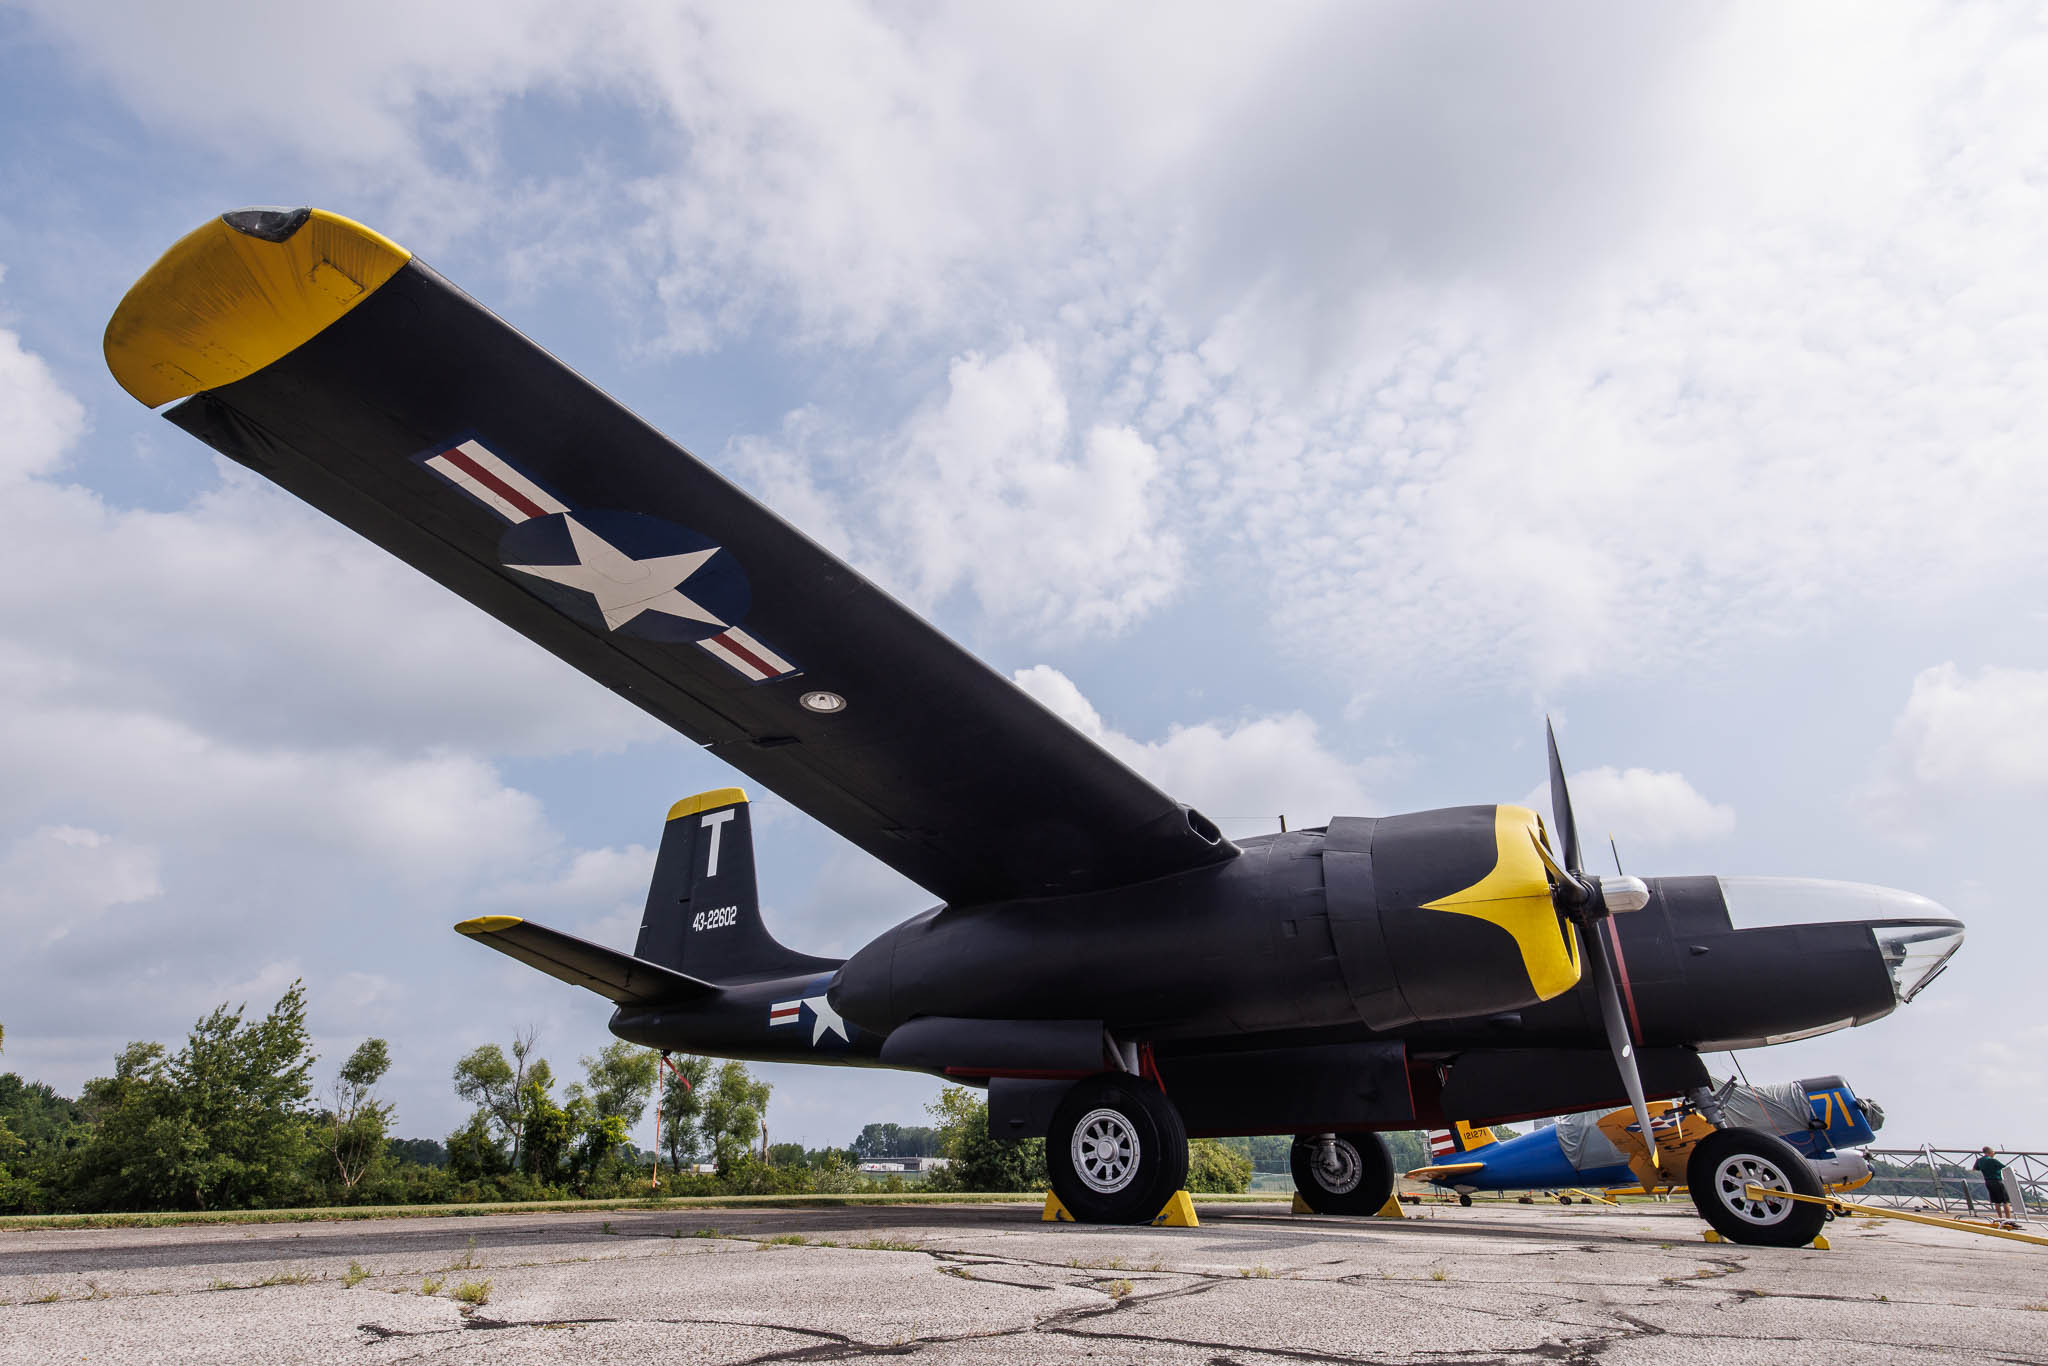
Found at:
[1179, 1212]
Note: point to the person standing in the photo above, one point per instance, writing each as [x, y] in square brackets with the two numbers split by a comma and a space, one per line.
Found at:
[1993, 1172]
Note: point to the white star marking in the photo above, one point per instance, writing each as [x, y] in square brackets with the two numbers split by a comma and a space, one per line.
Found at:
[623, 586]
[826, 1018]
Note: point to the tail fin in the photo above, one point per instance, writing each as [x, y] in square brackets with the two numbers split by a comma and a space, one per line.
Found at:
[1459, 1138]
[703, 912]
[1470, 1138]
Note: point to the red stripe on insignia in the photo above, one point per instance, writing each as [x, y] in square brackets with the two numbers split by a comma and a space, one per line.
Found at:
[461, 460]
[766, 669]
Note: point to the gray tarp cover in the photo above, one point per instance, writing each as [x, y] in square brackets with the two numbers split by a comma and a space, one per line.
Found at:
[1781, 1108]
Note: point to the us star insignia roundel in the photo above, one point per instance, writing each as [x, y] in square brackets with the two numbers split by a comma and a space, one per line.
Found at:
[613, 570]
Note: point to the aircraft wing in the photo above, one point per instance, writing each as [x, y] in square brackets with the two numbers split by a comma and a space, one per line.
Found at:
[1439, 1172]
[329, 360]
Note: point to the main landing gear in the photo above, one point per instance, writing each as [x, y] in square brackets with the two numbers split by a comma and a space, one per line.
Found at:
[1342, 1173]
[1727, 1163]
[1117, 1150]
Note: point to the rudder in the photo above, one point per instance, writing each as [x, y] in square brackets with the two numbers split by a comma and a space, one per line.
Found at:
[703, 913]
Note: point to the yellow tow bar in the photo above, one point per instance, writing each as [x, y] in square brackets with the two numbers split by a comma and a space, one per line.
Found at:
[1875, 1212]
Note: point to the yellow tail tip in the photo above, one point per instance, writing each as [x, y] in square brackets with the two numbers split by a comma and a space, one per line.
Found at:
[707, 801]
[488, 924]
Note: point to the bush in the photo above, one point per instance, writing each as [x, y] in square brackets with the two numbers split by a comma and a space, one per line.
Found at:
[1216, 1170]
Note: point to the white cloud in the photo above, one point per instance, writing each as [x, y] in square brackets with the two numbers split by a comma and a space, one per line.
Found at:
[1963, 736]
[60, 876]
[1640, 807]
[42, 419]
[1057, 534]
[1244, 775]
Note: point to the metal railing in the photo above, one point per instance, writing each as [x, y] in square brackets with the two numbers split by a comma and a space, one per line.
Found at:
[1928, 1177]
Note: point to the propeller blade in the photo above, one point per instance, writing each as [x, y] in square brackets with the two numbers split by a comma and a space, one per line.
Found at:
[1617, 1034]
[1577, 892]
[1561, 805]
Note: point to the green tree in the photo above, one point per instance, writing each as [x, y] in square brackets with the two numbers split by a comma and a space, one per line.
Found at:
[621, 1079]
[879, 1141]
[356, 1129]
[221, 1124]
[474, 1152]
[544, 1132]
[484, 1078]
[733, 1108]
[1216, 1169]
[791, 1155]
[977, 1160]
[682, 1106]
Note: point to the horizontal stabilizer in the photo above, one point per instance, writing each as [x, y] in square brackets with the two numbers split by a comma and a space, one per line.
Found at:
[1437, 1173]
[613, 975]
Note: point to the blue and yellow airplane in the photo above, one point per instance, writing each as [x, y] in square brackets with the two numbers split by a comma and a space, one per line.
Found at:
[1603, 1151]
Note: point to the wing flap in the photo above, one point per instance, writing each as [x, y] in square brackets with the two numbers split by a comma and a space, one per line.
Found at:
[613, 975]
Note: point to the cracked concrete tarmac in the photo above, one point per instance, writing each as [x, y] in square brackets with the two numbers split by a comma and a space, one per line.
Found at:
[1254, 1286]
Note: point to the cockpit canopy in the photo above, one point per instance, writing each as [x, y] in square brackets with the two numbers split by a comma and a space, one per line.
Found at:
[1915, 936]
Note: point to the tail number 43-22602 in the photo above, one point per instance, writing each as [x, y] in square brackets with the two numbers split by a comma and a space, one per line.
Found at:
[715, 919]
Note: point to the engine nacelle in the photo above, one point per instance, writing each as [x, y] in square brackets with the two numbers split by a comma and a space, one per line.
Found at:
[1445, 914]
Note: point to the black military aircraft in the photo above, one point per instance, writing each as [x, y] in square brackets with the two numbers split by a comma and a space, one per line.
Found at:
[1115, 971]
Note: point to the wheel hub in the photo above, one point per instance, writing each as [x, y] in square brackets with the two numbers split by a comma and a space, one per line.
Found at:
[1105, 1151]
[1734, 1177]
[1338, 1166]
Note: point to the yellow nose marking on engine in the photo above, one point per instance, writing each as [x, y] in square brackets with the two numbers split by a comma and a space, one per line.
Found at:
[1516, 897]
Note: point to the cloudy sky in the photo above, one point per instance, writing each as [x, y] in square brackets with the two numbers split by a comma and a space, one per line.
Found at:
[1302, 400]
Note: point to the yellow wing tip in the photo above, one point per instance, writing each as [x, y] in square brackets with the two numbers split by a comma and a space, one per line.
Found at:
[488, 924]
[238, 292]
[707, 801]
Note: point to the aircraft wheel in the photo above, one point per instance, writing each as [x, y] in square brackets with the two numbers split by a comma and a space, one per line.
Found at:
[1350, 1174]
[1727, 1162]
[1117, 1150]
[1564, 1199]
[1465, 1200]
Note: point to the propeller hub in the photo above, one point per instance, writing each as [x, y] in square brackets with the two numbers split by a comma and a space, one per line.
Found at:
[1623, 894]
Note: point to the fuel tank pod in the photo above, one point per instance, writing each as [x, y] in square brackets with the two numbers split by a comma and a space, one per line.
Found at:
[1445, 914]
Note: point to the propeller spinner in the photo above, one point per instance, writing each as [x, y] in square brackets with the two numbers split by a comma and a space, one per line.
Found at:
[1588, 900]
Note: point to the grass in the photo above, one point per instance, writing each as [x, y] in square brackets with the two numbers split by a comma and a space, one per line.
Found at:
[354, 1276]
[287, 1278]
[468, 1261]
[474, 1292]
[607, 1227]
[1256, 1273]
[887, 1245]
[431, 1285]
[1118, 1289]
[785, 1240]
[52, 1296]
[342, 1213]
[1437, 1273]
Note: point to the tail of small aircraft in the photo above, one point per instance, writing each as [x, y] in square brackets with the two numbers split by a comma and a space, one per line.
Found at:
[701, 930]
[1459, 1138]
[703, 913]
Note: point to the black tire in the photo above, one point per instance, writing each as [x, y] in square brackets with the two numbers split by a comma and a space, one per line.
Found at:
[1465, 1200]
[1117, 1150]
[1358, 1180]
[1727, 1161]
